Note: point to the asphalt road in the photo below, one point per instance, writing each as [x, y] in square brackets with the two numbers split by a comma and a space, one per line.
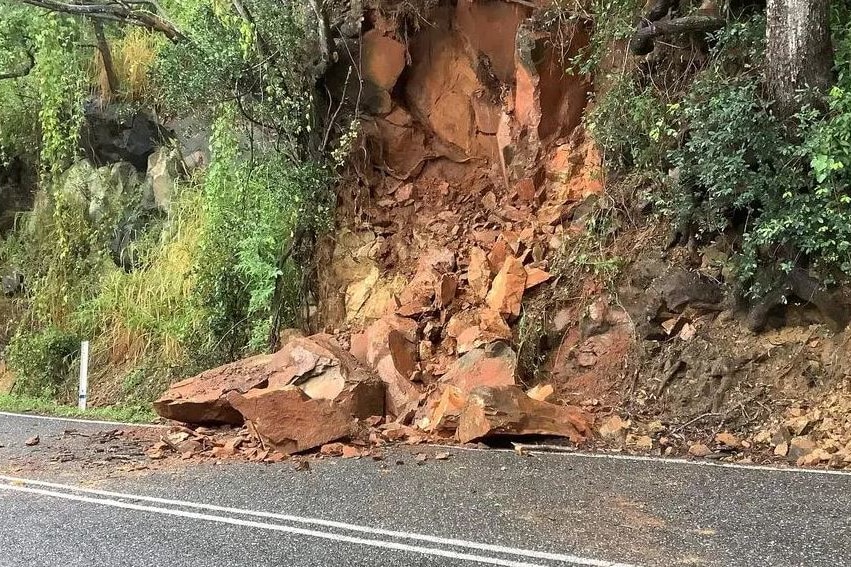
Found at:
[477, 508]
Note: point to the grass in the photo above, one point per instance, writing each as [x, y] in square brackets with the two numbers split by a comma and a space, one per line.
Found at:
[127, 414]
[133, 55]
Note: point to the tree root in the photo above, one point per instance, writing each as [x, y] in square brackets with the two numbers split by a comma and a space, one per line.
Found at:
[642, 40]
[799, 284]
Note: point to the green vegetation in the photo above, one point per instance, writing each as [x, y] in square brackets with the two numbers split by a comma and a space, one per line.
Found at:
[217, 274]
[702, 142]
[42, 406]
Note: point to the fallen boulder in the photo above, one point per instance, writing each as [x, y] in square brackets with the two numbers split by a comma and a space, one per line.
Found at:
[317, 365]
[507, 410]
[494, 365]
[203, 398]
[389, 346]
[289, 421]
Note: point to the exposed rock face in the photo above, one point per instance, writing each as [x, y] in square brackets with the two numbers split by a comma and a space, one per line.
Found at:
[115, 132]
[472, 171]
[478, 158]
[99, 189]
[507, 410]
[317, 366]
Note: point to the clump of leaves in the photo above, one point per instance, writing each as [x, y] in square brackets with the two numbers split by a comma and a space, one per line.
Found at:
[41, 361]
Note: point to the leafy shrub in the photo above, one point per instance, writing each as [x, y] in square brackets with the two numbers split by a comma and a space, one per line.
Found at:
[41, 361]
[253, 213]
[740, 168]
[632, 126]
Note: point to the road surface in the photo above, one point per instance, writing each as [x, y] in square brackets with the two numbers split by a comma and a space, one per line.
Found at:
[477, 508]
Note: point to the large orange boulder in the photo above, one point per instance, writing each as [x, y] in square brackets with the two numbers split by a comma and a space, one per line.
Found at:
[389, 346]
[203, 398]
[507, 410]
[316, 365]
[383, 59]
[494, 365]
[288, 420]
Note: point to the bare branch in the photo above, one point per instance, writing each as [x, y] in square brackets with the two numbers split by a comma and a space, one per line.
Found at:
[127, 12]
[686, 24]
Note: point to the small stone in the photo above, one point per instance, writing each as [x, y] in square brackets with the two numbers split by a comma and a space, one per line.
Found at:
[763, 437]
[643, 442]
[614, 428]
[32, 441]
[442, 456]
[729, 440]
[800, 447]
[535, 277]
[699, 450]
[782, 435]
[331, 450]
[541, 392]
[525, 189]
[799, 425]
[350, 452]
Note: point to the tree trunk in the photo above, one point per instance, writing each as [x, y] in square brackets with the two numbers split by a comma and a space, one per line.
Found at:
[106, 57]
[800, 56]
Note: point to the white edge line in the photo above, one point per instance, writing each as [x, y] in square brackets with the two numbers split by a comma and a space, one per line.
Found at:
[81, 420]
[644, 458]
[286, 529]
[573, 559]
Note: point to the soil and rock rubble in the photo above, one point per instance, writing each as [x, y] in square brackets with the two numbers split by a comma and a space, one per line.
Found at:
[312, 393]
[92, 452]
[473, 178]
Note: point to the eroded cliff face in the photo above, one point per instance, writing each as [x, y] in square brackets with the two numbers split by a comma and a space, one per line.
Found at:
[456, 278]
[474, 139]
[473, 177]
[472, 166]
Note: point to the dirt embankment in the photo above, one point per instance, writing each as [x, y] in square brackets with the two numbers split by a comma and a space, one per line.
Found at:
[460, 262]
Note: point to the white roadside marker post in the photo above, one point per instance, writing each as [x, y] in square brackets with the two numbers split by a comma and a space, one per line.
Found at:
[84, 375]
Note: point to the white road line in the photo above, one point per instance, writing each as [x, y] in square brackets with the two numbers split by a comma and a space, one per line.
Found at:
[661, 460]
[564, 558]
[294, 530]
[79, 420]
